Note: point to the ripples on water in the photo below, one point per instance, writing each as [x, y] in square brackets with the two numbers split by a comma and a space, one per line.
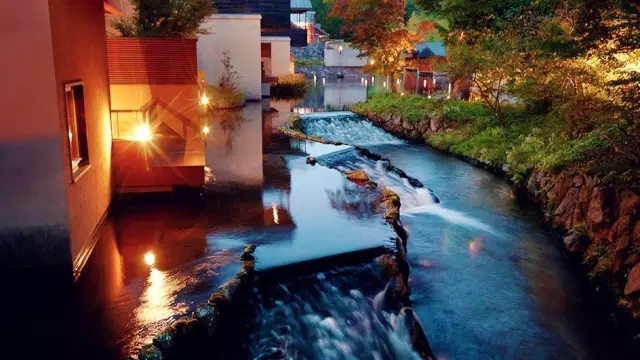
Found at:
[329, 316]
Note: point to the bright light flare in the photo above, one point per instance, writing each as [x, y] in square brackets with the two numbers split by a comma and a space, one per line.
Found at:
[371, 62]
[142, 133]
[149, 258]
[205, 130]
[204, 100]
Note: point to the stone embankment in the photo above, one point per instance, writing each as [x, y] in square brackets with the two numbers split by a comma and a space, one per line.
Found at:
[394, 267]
[209, 321]
[599, 222]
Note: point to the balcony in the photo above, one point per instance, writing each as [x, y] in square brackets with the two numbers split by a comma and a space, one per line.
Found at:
[298, 35]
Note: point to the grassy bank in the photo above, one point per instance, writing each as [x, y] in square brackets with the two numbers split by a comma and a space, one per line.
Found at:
[522, 141]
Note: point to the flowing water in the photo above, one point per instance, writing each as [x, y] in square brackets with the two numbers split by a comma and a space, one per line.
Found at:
[329, 316]
[486, 280]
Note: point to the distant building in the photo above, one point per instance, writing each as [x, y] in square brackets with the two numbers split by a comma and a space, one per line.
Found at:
[419, 73]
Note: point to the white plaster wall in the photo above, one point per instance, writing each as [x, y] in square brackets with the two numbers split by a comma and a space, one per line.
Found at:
[280, 54]
[348, 58]
[240, 35]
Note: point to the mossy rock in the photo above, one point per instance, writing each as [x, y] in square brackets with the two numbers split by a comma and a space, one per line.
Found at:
[392, 214]
[149, 352]
[358, 175]
[165, 340]
[219, 300]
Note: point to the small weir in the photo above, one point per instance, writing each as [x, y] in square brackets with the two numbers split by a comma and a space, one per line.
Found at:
[329, 315]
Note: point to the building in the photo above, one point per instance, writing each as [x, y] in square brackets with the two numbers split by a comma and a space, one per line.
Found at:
[419, 74]
[55, 144]
[257, 35]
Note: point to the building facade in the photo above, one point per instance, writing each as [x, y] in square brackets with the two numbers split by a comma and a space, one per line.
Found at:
[55, 143]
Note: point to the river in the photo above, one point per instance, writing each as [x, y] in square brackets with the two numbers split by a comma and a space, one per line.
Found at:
[486, 281]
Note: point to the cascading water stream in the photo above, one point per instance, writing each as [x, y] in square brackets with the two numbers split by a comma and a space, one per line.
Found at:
[323, 317]
[348, 128]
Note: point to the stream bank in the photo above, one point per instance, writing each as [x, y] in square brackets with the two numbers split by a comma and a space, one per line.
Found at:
[599, 222]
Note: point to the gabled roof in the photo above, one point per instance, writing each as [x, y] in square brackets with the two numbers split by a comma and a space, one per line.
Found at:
[429, 49]
[299, 6]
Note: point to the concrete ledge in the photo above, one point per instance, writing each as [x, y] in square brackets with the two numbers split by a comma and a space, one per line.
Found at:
[236, 17]
[275, 38]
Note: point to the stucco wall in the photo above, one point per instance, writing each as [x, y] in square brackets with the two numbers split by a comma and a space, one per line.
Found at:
[32, 192]
[348, 58]
[240, 35]
[280, 54]
[80, 53]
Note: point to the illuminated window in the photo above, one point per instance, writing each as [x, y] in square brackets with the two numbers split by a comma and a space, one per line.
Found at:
[77, 128]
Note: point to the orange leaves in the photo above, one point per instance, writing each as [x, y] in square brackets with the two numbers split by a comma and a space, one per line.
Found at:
[426, 26]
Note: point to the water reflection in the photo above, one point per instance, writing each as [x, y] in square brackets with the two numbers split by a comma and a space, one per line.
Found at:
[234, 147]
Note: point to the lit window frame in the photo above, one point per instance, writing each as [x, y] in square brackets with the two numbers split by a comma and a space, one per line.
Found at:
[80, 165]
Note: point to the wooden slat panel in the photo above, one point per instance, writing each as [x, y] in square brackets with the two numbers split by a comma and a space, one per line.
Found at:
[152, 61]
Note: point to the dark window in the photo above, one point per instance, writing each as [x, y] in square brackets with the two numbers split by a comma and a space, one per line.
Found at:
[77, 127]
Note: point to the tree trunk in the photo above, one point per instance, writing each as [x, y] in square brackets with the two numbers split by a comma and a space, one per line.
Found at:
[393, 85]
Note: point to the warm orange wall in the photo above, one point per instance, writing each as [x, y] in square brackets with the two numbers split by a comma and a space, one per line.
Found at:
[80, 53]
[32, 178]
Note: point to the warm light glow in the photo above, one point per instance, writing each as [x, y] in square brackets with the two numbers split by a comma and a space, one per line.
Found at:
[449, 92]
[366, 82]
[205, 129]
[373, 80]
[340, 48]
[142, 132]
[401, 94]
[149, 258]
[371, 62]
[384, 84]
[276, 218]
[204, 100]
[425, 83]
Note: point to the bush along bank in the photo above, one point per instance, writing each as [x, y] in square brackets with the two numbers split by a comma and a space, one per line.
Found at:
[395, 267]
[585, 192]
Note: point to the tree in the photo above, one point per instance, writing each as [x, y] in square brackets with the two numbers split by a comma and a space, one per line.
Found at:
[377, 29]
[166, 18]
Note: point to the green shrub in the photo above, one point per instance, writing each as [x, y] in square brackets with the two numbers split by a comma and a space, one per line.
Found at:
[225, 97]
[304, 61]
[525, 140]
[289, 86]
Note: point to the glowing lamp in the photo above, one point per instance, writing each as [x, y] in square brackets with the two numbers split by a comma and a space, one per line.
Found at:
[142, 133]
[204, 100]
[149, 258]
[371, 62]
[205, 129]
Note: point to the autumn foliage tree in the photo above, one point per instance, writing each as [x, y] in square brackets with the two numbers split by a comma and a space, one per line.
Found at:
[377, 29]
